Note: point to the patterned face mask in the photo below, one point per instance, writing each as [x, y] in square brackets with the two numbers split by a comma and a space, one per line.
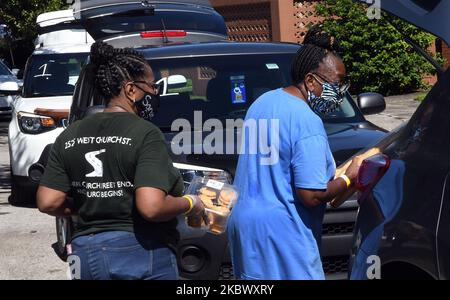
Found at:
[148, 105]
[329, 101]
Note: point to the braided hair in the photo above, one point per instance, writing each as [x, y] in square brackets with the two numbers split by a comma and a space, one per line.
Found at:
[113, 67]
[316, 46]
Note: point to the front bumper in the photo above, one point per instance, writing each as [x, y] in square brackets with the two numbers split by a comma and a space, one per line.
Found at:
[26, 149]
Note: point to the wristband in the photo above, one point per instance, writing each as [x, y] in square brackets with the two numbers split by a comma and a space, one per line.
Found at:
[191, 204]
[347, 180]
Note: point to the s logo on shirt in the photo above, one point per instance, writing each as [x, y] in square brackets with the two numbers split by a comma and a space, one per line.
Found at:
[96, 163]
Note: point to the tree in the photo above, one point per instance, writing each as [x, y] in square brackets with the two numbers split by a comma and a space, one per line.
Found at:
[376, 56]
[20, 17]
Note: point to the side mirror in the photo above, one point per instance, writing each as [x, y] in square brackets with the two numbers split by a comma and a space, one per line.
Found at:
[173, 82]
[371, 103]
[177, 81]
[15, 72]
[9, 88]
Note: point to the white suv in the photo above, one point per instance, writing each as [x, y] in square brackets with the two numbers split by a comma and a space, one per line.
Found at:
[39, 115]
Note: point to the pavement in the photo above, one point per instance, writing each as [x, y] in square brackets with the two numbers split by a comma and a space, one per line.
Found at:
[399, 110]
[27, 236]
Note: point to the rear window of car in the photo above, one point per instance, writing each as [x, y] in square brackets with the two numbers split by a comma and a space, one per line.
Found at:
[428, 5]
[108, 26]
[53, 74]
[224, 87]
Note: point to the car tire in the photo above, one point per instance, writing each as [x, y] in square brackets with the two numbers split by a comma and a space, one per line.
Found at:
[64, 234]
[21, 197]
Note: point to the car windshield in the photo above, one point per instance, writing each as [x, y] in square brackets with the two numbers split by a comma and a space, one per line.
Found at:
[4, 70]
[224, 87]
[53, 74]
[107, 26]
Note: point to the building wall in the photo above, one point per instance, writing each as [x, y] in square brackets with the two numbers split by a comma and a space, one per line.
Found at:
[277, 20]
[446, 54]
[267, 20]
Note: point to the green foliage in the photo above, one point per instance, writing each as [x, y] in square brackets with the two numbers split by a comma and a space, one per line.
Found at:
[376, 56]
[421, 96]
[20, 16]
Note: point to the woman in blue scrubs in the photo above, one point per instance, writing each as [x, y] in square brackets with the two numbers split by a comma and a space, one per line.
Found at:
[275, 227]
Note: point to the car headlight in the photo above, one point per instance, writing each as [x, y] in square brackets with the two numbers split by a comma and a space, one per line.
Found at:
[35, 124]
[189, 172]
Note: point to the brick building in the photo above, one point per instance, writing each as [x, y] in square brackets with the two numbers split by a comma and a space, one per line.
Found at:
[276, 20]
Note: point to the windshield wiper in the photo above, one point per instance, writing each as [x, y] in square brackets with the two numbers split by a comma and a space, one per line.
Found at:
[165, 38]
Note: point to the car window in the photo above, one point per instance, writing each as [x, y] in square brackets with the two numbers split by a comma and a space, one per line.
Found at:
[426, 134]
[53, 74]
[428, 5]
[224, 87]
[107, 26]
[4, 70]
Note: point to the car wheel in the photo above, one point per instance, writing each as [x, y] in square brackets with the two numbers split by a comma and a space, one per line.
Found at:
[63, 233]
[22, 197]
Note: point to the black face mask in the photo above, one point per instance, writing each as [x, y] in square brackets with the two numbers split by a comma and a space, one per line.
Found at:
[148, 106]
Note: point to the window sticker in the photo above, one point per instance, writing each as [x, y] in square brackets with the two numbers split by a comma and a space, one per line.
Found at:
[272, 66]
[238, 90]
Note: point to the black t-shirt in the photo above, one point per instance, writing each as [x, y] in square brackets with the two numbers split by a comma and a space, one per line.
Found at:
[100, 161]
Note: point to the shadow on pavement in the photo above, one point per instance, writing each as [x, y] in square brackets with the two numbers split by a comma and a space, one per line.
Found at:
[5, 178]
[3, 131]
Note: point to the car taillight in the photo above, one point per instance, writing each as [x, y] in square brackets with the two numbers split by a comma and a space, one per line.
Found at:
[371, 171]
[161, 34]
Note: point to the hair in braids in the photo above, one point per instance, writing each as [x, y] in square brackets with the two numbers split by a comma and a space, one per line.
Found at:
[316, 46]
[114, 67]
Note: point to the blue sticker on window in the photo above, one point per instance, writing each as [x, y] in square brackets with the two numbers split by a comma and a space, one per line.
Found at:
[238, 90]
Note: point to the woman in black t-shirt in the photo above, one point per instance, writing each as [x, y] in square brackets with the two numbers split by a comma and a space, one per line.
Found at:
[126, 192]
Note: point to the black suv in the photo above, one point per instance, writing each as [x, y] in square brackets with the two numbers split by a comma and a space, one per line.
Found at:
[403, 226]
[200, 82]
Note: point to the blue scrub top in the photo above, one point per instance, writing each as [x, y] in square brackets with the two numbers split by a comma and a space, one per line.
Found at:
[272, 234]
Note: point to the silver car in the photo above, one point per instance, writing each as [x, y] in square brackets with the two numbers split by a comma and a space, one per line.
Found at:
[6, 77]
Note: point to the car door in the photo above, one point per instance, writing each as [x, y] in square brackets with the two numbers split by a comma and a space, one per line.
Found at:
[399, 218]
[443, 233]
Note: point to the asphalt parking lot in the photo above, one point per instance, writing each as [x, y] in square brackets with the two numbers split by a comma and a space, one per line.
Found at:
[27, 236]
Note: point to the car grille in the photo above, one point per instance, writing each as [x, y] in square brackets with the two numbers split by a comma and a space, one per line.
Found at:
[338, 228]
[5, 108]
[331, 265]
[335, 264]
[226, 272]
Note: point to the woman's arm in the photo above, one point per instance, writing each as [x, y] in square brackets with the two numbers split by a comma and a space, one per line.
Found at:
[313, 198]
[53, 202]
[155, 206]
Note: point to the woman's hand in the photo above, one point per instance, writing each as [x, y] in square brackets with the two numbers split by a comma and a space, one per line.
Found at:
[353, 170]
[198, 209]
[197, 214]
